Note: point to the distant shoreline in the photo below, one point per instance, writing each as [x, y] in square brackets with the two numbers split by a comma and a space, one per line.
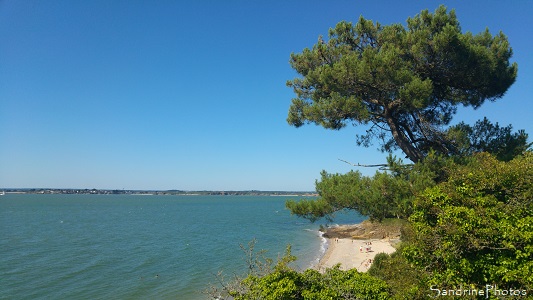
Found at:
[156, 192]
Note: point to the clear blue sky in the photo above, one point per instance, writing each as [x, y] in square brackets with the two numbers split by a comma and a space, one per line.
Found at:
[191, 94]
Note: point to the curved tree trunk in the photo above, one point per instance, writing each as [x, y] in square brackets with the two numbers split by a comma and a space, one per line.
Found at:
[403, 141]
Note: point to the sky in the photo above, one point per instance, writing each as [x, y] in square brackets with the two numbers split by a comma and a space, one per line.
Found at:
[192, 95]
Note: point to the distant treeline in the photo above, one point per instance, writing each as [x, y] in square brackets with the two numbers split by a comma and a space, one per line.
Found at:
[155, 192]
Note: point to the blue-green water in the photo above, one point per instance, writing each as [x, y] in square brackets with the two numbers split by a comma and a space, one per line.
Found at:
[139, 247]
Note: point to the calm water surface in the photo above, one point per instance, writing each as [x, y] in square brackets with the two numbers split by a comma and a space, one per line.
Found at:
[140, 247]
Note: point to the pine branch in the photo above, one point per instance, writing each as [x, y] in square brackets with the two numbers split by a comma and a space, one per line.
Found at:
[382, 166]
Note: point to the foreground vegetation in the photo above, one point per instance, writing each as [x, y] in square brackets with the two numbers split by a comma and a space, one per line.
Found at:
[470, 231]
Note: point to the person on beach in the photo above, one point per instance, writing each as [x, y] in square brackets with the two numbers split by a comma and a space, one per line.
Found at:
[361, 249]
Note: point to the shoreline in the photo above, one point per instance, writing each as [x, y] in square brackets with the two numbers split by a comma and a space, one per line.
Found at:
[355, 246]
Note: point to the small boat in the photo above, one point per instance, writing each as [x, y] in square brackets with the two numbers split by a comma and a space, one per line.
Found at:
[2, 193]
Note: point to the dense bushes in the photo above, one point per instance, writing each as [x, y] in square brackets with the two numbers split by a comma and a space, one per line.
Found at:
[475, 228]
[282, 282]
[311, 284]
[470, 231]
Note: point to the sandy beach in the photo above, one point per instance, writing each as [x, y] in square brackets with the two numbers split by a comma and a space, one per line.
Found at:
[352, 253]
[355, 246]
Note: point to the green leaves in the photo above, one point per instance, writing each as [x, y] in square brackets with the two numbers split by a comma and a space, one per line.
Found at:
[333, 284]
[406, 82]
[417, 92]
[475, 227]
[312, 210]
[283, 282]
[487, 137]
[384, 195]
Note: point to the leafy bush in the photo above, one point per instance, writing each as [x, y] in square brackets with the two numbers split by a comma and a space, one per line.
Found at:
[475, 228]
[284, 282]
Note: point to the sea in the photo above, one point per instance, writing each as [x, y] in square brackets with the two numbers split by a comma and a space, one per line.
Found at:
[57, 246]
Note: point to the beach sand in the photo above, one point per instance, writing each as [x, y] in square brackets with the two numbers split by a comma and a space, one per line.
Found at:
[349, 245]
[346, 251]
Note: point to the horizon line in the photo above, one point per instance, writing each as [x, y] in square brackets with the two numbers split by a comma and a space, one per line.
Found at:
[156, 190]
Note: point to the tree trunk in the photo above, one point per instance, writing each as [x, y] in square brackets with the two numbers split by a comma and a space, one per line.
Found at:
[403, 141]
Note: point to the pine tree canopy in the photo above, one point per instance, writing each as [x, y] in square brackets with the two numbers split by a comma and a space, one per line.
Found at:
[404, 82]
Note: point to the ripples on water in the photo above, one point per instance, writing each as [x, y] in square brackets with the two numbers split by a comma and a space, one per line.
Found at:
[139, 247]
